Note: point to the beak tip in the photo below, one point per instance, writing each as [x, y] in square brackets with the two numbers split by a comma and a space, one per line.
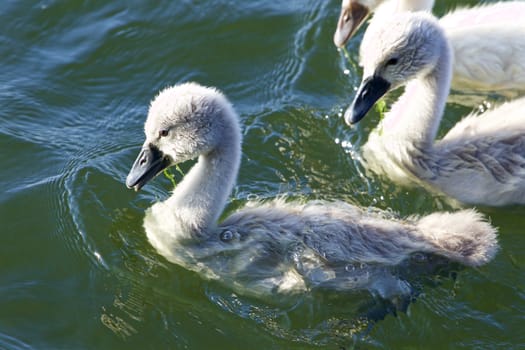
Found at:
[132, 185]
[338, 40]
[350, 116]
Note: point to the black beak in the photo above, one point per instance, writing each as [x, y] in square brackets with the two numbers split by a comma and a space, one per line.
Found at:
[371, 90]
[150, 162]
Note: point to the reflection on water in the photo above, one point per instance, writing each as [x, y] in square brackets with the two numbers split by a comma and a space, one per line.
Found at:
[9, 342]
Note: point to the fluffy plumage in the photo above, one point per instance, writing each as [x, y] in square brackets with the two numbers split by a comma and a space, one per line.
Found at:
[277, 246]
[480, 161]
[487, 40]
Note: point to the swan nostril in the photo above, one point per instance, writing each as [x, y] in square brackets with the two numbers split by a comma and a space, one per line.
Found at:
[143, 157]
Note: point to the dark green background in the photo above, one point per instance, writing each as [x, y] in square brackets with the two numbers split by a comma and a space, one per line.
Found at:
[76, 270]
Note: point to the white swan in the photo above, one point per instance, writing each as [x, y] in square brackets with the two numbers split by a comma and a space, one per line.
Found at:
[276, 246]
[487, 40]
[480, 161]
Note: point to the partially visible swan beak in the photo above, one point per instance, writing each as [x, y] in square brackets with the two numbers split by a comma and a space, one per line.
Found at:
[371, 90]
[350, 19]
[150, 162]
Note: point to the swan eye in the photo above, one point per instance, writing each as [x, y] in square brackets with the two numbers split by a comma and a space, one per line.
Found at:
[392, 62]
[164, 132]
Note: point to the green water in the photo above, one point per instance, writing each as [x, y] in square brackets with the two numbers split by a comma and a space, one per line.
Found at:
[76, 270]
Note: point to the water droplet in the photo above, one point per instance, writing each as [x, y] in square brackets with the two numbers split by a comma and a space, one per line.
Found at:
[350, 268]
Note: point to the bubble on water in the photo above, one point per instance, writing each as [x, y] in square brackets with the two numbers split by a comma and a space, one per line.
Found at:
[252, 197]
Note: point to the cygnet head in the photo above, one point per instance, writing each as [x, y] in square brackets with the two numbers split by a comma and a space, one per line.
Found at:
[354, 13]
[393, 52]
[184, 121]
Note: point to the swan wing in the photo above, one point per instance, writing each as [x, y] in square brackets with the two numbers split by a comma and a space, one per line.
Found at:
[506, 120]
[488, 45]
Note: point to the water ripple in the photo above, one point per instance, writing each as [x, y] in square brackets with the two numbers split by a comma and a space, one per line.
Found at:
[77, 80]
[9, 342]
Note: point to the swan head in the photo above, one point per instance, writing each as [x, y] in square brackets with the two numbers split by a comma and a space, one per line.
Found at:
[184, 121]
[355, 12]
[393, 52]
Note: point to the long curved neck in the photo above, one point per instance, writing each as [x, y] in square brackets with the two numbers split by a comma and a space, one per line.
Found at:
[414, 5]
[199, 199]
[386, 8]
[417, 114]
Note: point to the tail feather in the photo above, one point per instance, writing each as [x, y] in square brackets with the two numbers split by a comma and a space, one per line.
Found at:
[463, 236]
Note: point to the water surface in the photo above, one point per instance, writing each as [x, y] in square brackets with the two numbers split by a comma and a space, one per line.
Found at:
[76, 268]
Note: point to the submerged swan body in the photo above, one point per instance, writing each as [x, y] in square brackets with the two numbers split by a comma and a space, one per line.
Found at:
[278, 246]
[487, 40]
[480, 161]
